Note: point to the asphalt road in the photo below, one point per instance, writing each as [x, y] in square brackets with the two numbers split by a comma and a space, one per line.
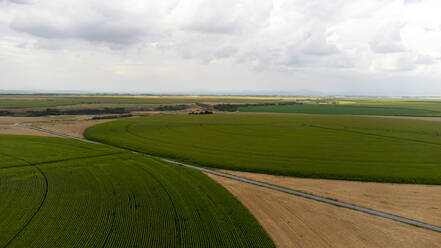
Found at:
[273, 187]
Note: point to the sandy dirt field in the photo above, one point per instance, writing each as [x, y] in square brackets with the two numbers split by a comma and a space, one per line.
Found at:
[71, 125]
[298, 222]
[7, 126]
[419, 202]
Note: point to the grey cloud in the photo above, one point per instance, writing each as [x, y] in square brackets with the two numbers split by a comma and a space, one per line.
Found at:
[383, 46]
[223, 17]
[412, 1]
[100, 34]
[93, 21]
[423, 59]
[225, 52]
[97, 32]
[387, 40]
[316, 45]
[405, 63]
[20, 1]
[265, 35]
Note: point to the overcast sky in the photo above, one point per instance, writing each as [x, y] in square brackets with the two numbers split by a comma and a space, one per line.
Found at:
[377, 47]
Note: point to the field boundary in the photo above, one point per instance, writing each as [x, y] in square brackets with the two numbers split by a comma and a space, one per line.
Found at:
[269, 186]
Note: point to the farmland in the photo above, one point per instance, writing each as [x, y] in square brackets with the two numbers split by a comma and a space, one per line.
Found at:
[35, 105]
[342, 109]
[90, 195]
[316, 146]
[414, 201]
[298, 222]
[87, 195]
[50, 101]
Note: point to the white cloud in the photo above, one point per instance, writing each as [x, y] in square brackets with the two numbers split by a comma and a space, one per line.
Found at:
[388, 39]
[281, 38]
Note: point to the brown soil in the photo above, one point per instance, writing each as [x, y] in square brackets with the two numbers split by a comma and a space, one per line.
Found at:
[7, 126]
[419, 202]
[298, 222]
[71, 125]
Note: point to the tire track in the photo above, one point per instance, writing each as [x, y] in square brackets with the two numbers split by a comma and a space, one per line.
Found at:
[35, 213]
[175, 211]
[56, 161]
[374, 134]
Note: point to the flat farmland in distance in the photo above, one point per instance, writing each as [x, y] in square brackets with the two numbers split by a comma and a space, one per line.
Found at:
[63, 193]
[315, 146]
[51, 101]
[343, 109]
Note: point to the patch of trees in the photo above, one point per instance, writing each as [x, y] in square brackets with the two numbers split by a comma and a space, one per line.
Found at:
[49, 111]
[227, 107]
[203, 105]
[5, 113]
[235, 107]
[206, 112]
[172, 107]
[111, 117]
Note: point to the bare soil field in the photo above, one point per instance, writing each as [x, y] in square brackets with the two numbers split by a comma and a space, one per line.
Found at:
[71, 125]
[7, 126]
[419, 202]
[298, 222]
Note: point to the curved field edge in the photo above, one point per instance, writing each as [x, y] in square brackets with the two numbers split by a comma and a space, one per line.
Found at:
[121, 200]
[187, 139]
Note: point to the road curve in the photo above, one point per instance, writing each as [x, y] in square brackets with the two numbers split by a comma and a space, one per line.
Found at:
[269, 186]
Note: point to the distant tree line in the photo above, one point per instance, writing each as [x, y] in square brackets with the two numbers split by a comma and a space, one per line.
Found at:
[50, 111]
[235, 107]
[5, 113]
[172, 107]
[203, 105]
[111, 117]
[206, 112]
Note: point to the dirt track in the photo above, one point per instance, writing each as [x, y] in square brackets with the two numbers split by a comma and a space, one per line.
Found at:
[298, 222]
[7, 126]
[74, 128]
[419, 202]
[71, 125]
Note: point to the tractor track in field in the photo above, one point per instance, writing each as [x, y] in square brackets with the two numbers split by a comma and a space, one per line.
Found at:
[36, 211]
[29, 164]
[269, 186]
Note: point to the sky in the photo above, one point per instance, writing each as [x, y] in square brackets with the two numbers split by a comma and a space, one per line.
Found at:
[352, 47]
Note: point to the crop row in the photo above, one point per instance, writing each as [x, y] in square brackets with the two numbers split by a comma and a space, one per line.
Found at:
[120, 200]
[23, 150]
[338, 147]
[22, 192]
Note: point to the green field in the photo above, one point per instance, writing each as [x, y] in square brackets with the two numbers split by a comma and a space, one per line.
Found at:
[342, 109]
[63, 193]
[337, 147]
[50, 101]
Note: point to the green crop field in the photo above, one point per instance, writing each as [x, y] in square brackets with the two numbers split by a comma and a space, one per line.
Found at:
[337, 147]
[343, 109]
[50, 101]
[62, 193]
